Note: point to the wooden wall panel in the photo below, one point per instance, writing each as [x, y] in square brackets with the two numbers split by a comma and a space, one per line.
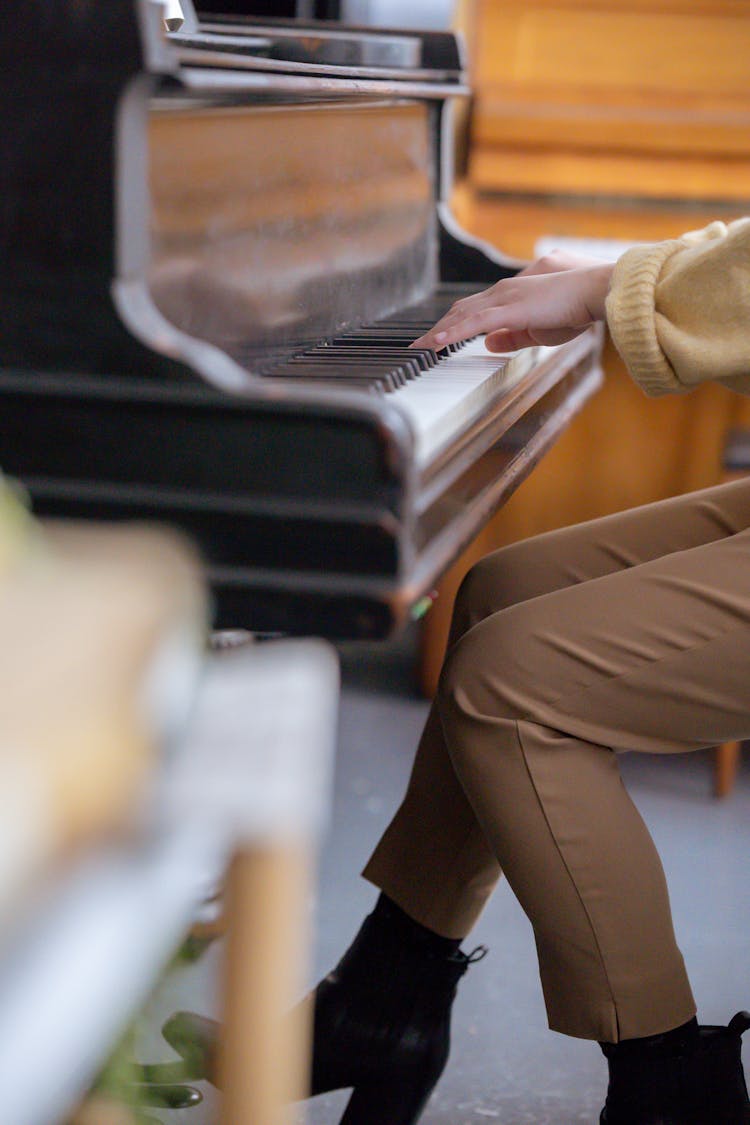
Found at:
[601, 95]
[687, 48]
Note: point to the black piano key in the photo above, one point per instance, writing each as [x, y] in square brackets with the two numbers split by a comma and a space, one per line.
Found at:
[376, 356]
[412, 332]
[397, 374]
[401, 357]
[424, 357]
[412, 358]
[417, 324]
[342, 378]
[397, 339]
[381, 379]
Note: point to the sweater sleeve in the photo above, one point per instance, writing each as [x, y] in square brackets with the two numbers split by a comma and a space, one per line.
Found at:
[679, 311]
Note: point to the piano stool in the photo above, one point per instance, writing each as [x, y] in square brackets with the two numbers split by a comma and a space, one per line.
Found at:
[735, 462]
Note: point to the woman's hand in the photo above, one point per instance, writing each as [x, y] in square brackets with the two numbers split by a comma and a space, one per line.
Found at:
[555, 261]
[550, 301]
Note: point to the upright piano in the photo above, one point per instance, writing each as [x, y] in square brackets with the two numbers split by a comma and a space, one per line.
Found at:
[216, 244]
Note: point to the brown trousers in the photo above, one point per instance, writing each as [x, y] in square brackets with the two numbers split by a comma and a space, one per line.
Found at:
[630, 632]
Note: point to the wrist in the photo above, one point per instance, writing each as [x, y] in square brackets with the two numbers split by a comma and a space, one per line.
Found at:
[600, 280]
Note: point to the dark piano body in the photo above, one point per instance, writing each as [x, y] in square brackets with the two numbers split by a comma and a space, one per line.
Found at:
[215, 245]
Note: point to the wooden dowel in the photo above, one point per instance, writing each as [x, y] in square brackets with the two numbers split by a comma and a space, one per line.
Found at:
[726, 761]
[263, 1057]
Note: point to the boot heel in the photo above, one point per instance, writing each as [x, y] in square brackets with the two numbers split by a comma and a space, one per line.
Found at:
[380, 1104]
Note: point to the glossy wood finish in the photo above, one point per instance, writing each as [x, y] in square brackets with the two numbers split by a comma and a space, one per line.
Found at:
[263, 239]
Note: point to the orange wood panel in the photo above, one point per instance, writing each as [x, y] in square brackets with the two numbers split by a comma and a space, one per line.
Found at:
[515, 222]
[551, 114]
[607, 173]
[611, 96]
[613, 45]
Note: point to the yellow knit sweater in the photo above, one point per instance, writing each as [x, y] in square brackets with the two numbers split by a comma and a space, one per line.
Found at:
[679, 311]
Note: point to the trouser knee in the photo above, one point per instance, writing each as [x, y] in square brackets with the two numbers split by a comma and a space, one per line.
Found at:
[471, 686]
[492, 584]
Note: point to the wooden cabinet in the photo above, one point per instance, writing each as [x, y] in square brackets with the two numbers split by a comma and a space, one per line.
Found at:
[605, 120]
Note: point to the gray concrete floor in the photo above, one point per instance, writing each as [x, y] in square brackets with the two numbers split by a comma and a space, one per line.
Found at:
[506, 1067]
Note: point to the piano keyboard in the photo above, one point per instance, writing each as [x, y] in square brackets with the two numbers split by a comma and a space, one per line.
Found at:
[441, 393]
[454, 393]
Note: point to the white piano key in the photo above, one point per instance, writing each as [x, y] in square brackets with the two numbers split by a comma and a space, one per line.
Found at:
[454, 393]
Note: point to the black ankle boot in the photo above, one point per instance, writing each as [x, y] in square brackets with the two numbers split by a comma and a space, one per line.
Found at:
[696, 1080]
[382, 1023]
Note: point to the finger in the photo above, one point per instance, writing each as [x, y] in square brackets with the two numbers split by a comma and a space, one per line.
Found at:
[511, 341]
[506, 341]
[490, 298]
[442, 328]
[439, 336]
[491, 319]
[455, 326]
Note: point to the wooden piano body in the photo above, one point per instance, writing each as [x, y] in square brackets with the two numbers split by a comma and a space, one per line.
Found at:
[183, 215]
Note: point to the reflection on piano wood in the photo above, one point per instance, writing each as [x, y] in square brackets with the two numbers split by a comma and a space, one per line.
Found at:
[213, 261]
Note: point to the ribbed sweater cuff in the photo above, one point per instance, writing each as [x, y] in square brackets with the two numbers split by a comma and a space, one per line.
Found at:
[631, 316]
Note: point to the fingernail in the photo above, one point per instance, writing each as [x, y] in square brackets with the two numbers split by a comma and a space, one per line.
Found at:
[440, 335]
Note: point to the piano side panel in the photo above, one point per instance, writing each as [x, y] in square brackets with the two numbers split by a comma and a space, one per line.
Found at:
[64, 69]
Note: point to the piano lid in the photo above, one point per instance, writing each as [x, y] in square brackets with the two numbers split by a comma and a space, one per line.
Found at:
[313, 48]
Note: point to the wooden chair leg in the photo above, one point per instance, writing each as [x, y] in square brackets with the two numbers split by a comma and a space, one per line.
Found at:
[264, 1052]
[726, 761]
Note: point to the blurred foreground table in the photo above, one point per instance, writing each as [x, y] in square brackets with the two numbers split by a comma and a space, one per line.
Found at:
[246, 792]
